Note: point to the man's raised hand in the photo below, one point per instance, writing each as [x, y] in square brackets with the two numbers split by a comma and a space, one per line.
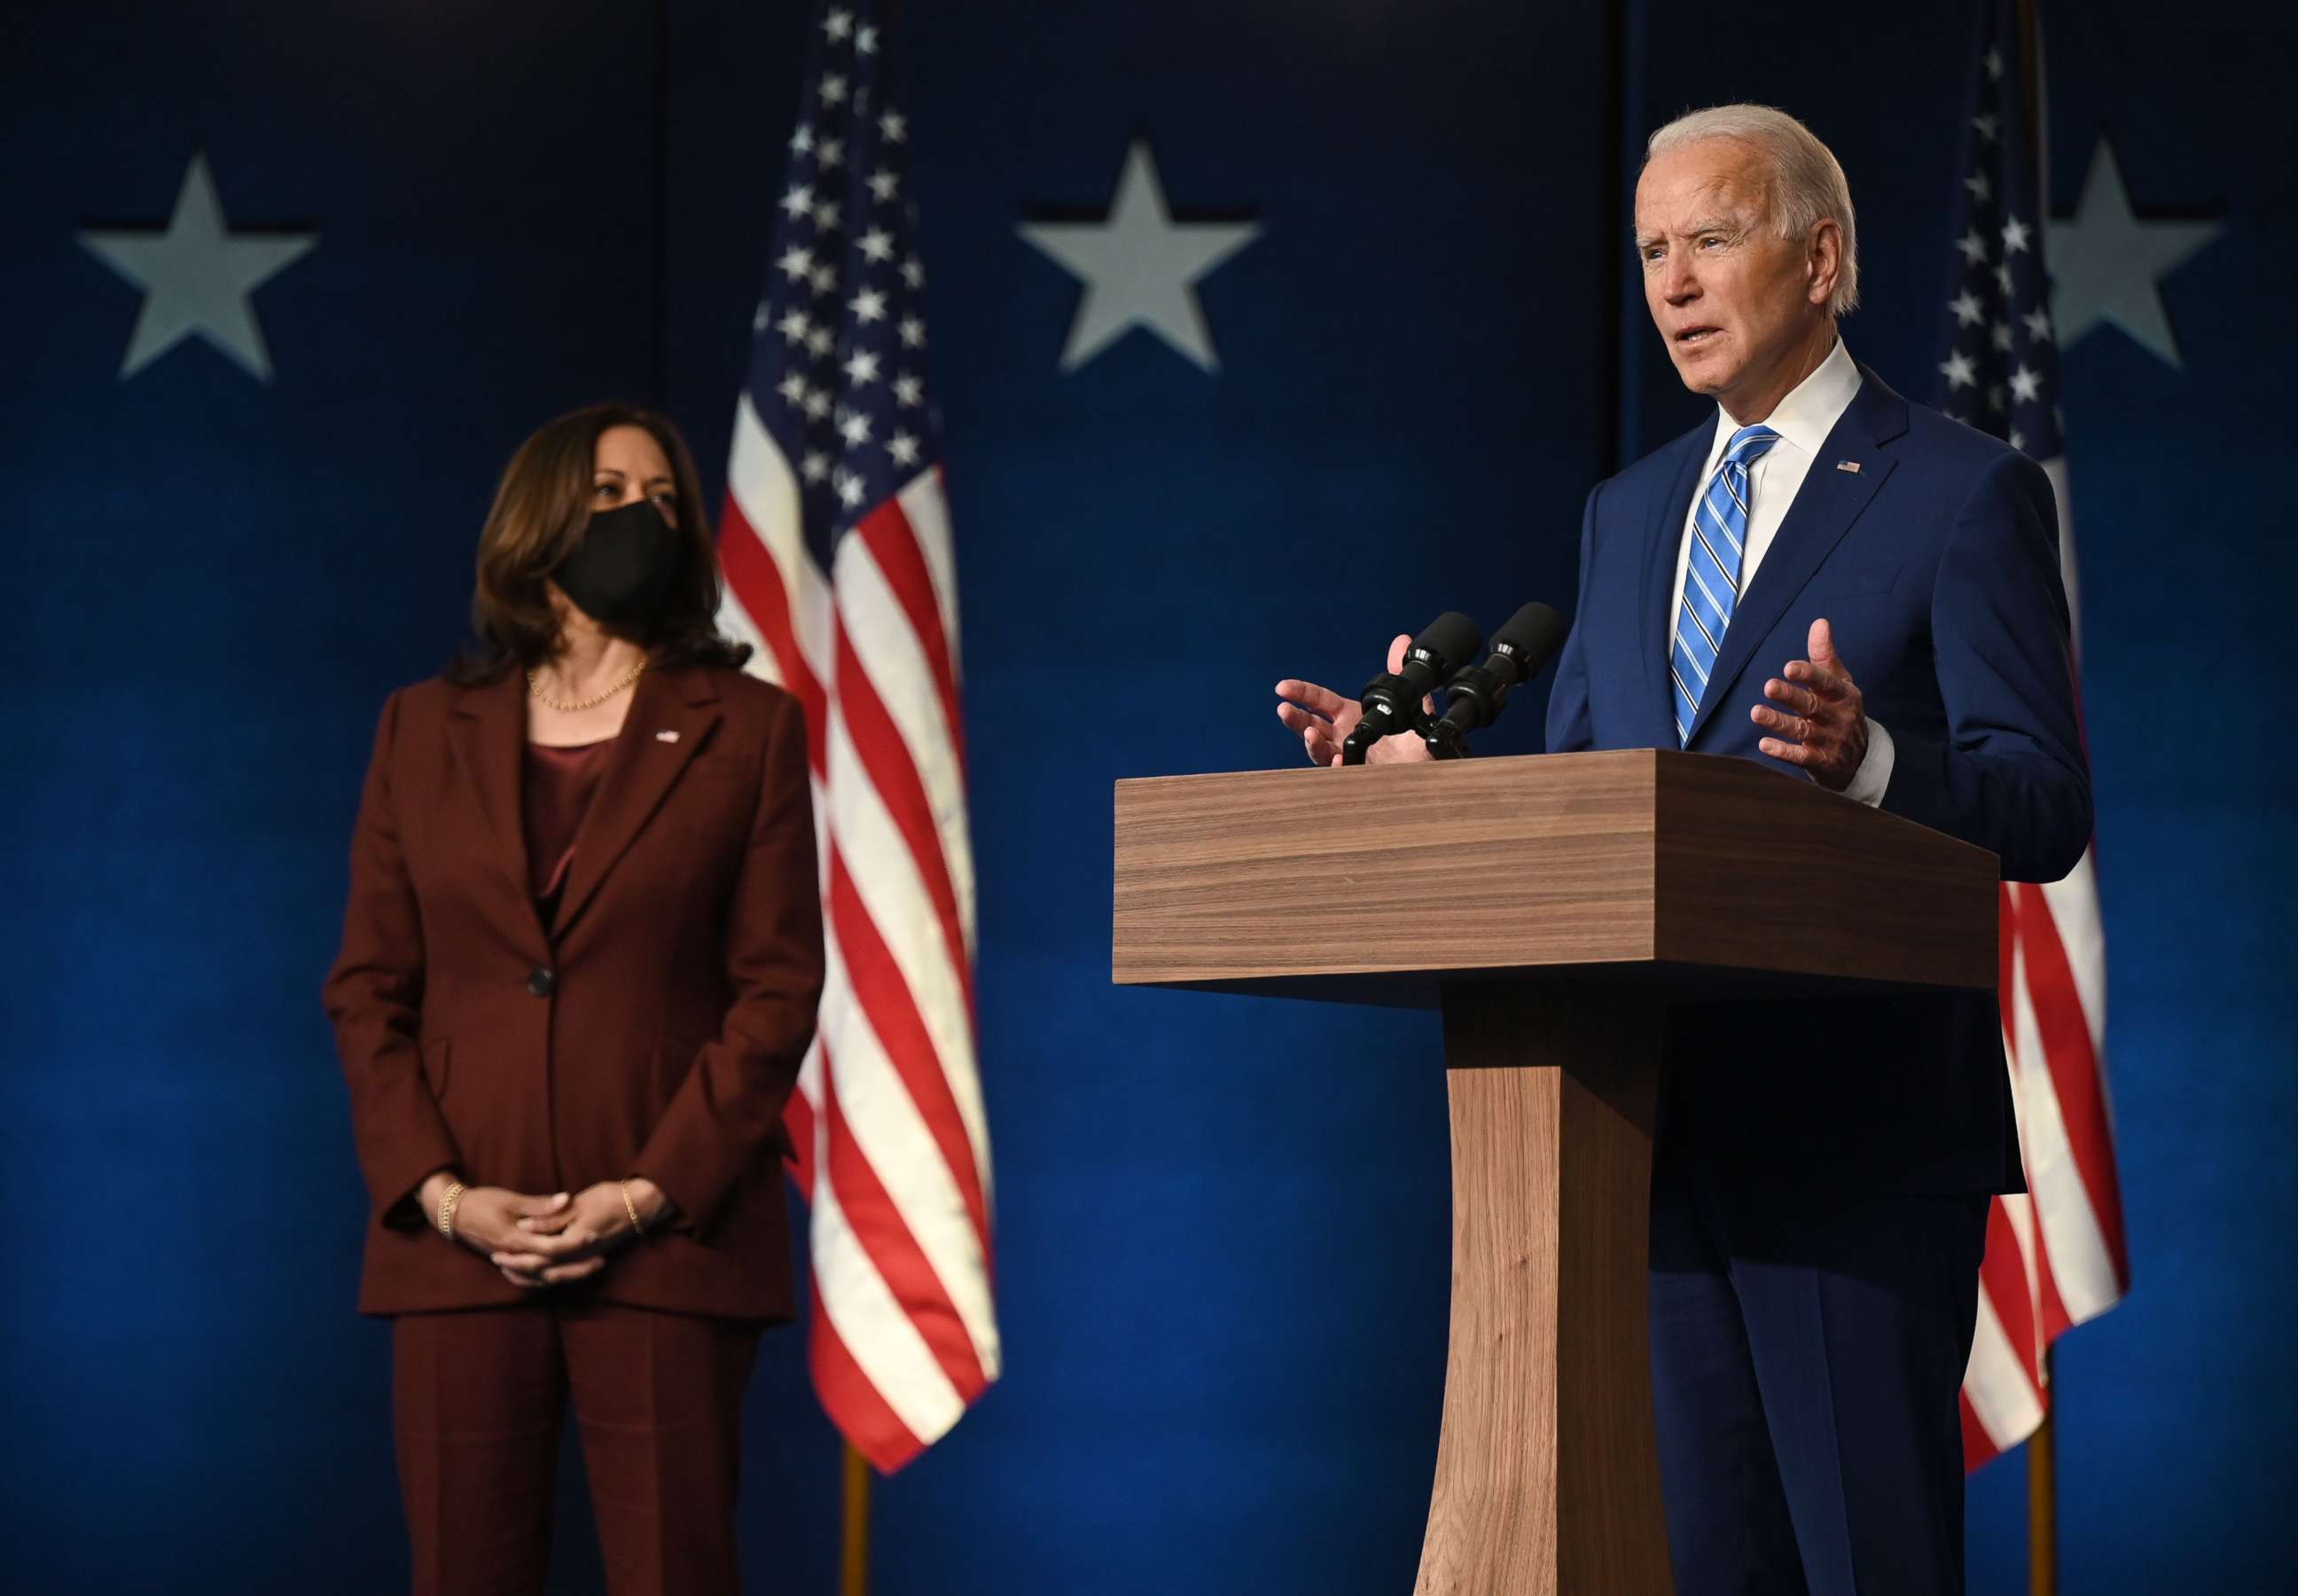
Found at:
[1826, 733]
[1323, 718]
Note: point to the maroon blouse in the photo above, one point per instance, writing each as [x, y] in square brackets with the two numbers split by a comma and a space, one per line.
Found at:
[559, 783]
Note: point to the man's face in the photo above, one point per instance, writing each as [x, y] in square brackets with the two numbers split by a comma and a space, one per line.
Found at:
[1734, 302]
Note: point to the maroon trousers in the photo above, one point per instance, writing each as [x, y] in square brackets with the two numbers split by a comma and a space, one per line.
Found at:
[478, 1396]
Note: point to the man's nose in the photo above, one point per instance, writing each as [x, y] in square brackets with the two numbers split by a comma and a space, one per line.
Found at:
[1678, 282]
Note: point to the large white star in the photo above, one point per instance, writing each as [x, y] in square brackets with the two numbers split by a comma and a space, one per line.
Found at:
[1139, 268]
[2107, 263]
[197, 276]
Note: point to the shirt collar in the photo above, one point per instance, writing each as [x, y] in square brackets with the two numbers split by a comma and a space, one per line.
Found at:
[1810, 411]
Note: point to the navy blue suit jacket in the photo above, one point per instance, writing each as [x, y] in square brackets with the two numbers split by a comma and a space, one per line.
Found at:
[1937, 563]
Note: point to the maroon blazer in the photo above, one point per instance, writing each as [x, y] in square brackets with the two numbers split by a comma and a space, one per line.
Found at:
[657, 1032]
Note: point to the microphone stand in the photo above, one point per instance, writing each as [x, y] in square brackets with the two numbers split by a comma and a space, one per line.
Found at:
[1445, 741]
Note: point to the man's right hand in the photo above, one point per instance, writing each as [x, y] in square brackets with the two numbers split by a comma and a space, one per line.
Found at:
[1324, 719]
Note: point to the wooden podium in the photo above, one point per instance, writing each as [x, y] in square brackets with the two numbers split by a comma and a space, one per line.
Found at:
[1552, 907]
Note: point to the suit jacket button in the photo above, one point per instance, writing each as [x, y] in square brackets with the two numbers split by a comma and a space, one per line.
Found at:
[539, 981]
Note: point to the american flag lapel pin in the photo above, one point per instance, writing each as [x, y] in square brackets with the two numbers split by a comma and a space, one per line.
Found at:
[1850, 466]
[665, 737]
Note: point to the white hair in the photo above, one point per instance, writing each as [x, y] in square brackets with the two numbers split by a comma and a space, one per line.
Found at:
[1806, 183]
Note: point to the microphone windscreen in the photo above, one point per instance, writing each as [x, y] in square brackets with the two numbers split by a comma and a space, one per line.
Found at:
[1533, 635]
[1453, 637]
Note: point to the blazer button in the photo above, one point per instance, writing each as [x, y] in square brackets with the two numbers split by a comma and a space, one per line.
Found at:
[539, 981]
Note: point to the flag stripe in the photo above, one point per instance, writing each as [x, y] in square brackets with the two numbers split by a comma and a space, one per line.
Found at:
[2074, 1073]
[920, 1142]
[883, 875]
[852, 1297]
[901, 560]
[908, 658]
[2042, 1153]
[878, 1222]
[2008, 1288]
[2003, 1402]
[925, 505]
[852, 1399]
[761, 485]
[891, 1000]
[884, 749]
[2038, 1114]
[755, 585]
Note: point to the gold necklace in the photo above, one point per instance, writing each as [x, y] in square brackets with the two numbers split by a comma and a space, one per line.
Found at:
[534, 690]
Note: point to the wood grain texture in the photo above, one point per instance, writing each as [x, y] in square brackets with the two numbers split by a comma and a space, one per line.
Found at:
[1759, 870]
[1548, 1471]
[1546, 861]
[1383, 867]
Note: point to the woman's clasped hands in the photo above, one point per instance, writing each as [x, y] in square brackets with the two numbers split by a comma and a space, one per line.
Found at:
[540, 1241]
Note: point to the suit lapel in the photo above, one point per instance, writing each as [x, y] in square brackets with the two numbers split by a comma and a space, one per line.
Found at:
[1828, 501]
[672, 714]
[1663, 539]
[490, 743]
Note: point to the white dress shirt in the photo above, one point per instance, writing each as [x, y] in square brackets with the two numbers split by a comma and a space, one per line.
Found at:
[1802, 420]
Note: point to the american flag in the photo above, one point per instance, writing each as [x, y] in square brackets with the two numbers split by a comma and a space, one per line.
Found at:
[2056, 1256]
[836, 542]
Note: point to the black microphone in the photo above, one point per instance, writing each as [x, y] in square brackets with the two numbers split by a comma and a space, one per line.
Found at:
[1392, 699]
[1477, 693]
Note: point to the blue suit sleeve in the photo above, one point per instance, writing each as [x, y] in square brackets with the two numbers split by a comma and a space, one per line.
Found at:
[2012, 775]
[1571, 730]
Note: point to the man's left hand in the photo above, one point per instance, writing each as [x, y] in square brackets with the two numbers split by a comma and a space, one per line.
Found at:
[1821, 723]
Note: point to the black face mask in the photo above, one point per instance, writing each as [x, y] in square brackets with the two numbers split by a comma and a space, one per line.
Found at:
[623, 569]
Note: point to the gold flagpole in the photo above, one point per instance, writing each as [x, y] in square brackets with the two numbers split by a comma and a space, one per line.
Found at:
[853, 1559]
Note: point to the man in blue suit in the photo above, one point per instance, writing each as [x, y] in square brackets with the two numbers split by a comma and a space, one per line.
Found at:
[1819, 1196]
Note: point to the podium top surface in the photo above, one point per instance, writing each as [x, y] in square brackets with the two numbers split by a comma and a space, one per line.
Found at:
[1705, 871]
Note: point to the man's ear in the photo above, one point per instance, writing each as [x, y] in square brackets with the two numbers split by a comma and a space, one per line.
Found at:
[1823, 259]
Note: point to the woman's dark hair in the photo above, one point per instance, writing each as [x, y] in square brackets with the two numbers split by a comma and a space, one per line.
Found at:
[541, 509]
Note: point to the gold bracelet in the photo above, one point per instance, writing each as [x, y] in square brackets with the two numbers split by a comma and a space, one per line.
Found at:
[629, 1208]
[447, 1201]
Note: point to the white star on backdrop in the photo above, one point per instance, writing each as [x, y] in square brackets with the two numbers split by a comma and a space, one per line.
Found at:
[2107, 263]
[1140, 267]
[197, 276]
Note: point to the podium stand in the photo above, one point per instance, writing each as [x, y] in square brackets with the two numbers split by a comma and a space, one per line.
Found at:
[1551, 906]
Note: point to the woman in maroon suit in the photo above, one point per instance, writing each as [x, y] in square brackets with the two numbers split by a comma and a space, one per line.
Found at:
[580, 966]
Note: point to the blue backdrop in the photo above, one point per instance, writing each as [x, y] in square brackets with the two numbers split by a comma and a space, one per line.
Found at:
[1223, 1230]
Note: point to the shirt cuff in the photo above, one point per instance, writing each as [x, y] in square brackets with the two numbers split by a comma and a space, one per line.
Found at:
[1874, 771]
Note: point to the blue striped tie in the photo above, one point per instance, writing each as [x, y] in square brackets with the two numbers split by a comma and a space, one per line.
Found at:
[1711, 581]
